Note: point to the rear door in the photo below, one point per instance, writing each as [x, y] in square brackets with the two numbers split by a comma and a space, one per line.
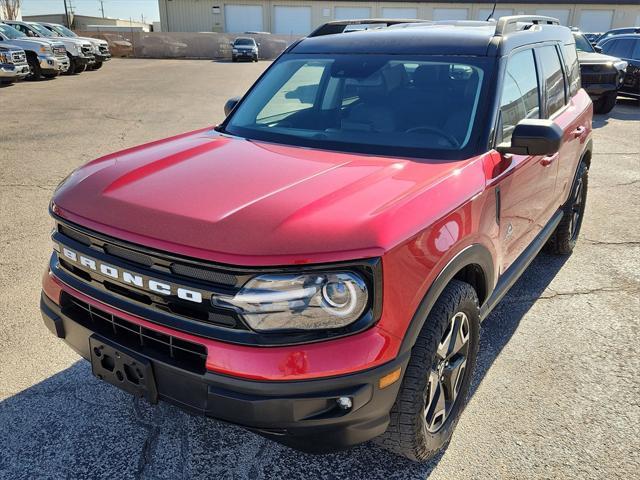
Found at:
[527, 186]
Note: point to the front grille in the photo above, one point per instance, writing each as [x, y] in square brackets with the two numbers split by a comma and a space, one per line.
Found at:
[19, 58]
[87, 51]
[60, 51]
[598, 74]
[155, 266]
[150, 343]
[104, 49]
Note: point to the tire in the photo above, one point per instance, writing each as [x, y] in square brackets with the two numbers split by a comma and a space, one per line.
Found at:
[416, 431]
[96, 66]
[34, 66]
[80, 68]
[605, 103]
[49, 75]
[234, 59]
[564, 238]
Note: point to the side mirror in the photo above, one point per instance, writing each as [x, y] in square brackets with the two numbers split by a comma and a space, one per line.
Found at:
[230, 105]
[533, 137]
[231, 43]
[258, 44]
[598, 48]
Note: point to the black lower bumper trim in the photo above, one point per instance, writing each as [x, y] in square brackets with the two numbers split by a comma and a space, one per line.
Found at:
[301, 414]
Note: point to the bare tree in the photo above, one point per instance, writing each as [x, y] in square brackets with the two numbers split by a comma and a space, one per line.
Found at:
[9, 9]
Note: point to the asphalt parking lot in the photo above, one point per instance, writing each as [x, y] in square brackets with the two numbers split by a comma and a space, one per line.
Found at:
[556, 392]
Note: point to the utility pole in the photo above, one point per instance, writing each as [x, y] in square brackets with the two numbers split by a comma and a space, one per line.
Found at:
[66, 14]
[102, 7]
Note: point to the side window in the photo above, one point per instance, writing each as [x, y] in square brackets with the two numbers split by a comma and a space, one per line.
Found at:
[636, 50]
[573, 68]
[553, 78]
[621, 48]
[520, 93]
[298, 93]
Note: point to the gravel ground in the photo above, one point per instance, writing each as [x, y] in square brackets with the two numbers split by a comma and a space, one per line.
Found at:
[556, 393]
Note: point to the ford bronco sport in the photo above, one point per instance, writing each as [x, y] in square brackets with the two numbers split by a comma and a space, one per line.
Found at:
[316, 267]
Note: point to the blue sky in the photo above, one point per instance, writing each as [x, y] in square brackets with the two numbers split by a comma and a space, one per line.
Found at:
[112, 8]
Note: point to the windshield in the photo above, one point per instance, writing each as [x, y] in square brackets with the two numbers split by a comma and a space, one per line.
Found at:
[244, 42]
[42, 31]
[61, 30]
[382, 104]
[10, 32]
[582, 44]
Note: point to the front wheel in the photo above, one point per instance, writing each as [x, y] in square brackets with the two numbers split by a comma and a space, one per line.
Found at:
[35, 72]
[436, 384]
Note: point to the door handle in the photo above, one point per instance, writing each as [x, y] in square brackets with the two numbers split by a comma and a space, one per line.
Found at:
[579, 132]
[546, 161]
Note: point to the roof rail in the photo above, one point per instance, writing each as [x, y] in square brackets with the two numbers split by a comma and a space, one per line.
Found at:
[510, 24]
[339, 26]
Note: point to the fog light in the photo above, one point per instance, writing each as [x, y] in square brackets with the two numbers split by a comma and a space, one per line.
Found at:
[344, 403]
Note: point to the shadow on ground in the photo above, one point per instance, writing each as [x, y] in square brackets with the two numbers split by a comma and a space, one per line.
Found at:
[626, 109]
[73, 426]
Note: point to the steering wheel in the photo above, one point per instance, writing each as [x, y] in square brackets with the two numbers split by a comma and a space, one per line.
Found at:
[453, 141]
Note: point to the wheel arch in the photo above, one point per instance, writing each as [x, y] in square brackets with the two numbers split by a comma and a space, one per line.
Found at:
[474, 265]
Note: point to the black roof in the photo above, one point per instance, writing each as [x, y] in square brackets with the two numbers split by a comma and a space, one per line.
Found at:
[433, 38]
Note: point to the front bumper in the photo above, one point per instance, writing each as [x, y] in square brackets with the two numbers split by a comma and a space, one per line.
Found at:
[13, 72]
[51, 64]
[301, 414]
[101, 58]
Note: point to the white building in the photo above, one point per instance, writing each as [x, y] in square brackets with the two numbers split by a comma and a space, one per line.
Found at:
[299, 17]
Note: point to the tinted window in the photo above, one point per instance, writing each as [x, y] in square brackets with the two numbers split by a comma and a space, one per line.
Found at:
[636, 50]
[573, 68]
[418, 106]
[619, 48]
[520, 93]
[582, 44]
[553, 78]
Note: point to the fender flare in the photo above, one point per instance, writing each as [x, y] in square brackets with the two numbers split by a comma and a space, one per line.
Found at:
[475, 254]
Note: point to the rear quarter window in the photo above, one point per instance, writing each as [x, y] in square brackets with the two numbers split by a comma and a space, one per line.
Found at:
[572, 68]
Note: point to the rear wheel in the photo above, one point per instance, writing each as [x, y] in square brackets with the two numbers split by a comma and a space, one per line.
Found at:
[605, 103]
[436, 384]
[564, 239]
[96, 66]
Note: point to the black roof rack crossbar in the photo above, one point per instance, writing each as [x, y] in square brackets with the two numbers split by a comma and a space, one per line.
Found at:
[510, 24]
[339, 26]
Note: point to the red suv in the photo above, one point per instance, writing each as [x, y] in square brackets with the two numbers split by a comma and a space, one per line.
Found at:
[316, 267]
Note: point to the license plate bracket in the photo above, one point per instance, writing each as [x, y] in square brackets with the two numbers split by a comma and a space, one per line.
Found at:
[123, 368]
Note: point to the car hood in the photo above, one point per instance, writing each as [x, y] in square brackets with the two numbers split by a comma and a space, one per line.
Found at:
[595, 58]
[232, 200]
[94, 41]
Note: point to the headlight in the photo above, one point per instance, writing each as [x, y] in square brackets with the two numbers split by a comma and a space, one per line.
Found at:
[235, 50]
[4, 58]
[45, 49]
[313, 301]
[620, 65]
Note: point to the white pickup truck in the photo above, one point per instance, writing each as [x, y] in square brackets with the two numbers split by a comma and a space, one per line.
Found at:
[80, 52]
[45, 57]
[100, 47]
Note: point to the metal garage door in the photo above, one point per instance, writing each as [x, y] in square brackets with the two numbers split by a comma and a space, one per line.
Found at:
[352, 13]
[559, 13]
[484, 13]
[243, 18]
[595, 20]
[292, 20]
[390, 12]
[451, 14]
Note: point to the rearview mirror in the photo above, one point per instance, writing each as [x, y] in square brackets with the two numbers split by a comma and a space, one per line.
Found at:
[533, 137]
[598, 48]
[230, 105]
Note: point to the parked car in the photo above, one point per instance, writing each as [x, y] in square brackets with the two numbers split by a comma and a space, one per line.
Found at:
[592, 37]
[80, 52]
[46, 58]
[316, 267]
[13, 64]
[626, 47]
[602, 75]
[617, 31]
[101, 51]
[244, 48]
